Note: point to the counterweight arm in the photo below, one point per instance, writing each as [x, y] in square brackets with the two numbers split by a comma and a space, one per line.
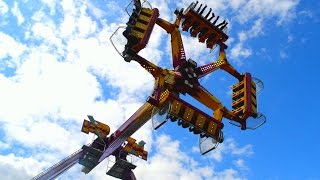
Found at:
[137, 120]
[147, 65]
[221, 63]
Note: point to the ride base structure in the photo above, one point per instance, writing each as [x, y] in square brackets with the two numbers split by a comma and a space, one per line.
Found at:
[165, 104]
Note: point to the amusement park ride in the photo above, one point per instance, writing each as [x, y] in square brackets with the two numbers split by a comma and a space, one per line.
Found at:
[165, 103]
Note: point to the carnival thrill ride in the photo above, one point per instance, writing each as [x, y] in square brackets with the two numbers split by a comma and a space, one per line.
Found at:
[164, 103]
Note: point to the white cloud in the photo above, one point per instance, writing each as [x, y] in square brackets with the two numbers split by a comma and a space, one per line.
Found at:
[164, 10]
[12, 49]
[113, 6]
[85, 25]
[3, 7]
[307, 15]
[67, 27]
[239, 50]
[53, 96]
[69, 7]
[50, 87]
[283, 54]
[4, 145]
[40, 16]
[97, 12]
[170, 162]
[236, 4]
[240, 163]
[46, 31]
[17, 13]
[13, 167]
[256, 29]
[283, 10]
[229, 146]
[51, 4]
[40, 134]
[152, 52]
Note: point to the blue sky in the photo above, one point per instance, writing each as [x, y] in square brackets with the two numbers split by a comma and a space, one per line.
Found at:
[57, 65]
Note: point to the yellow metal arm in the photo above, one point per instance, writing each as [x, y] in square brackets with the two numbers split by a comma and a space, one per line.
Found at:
[165, 25]
[225, 64]
[177, 49]
[209, 68]
[221, 63]
[205, 97]
[147, 65]
[163, 83]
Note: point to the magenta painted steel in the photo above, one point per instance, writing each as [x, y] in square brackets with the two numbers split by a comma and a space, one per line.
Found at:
[152, 22]
[126, 130]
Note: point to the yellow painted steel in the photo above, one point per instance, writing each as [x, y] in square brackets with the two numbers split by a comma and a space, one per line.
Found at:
[175, 108]
[188, 114]
[127, 148]
[237, 94]
[237, 86]
[169, 77]
[133, 148]
[176, 40]
[131, 140]
[239, 111]
[100, 128]
[239, 102]
[144, 18]
[218, 114]
[206, 98]
[142, 26]
[144, 155]
[146, 11]
[201, 120]
[240, 97]
[212, 127]
[137, 34]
